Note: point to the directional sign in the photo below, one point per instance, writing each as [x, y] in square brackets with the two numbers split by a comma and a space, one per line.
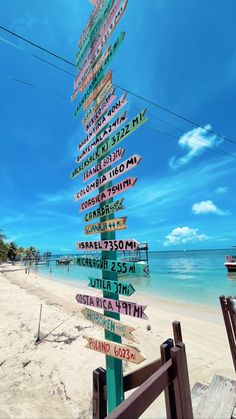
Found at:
[107, 245]
[102, 66]
[81, 54]
[122, 168]
[97, 102]
[97, 90]
[103, 136]
[104, 121]
[105, 210]
[112, 286]
[114, 190]
[106, 226]
[103, 164]
[104, 148]
[116, 350]
[92, 19]
[100, 111]
[114, 326]
[115, 306]
[118, 266]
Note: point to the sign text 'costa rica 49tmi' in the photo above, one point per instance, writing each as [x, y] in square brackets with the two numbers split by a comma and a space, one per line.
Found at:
[115, 306]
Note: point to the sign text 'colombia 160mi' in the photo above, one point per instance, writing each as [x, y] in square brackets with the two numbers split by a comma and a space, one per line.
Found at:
[117, 171]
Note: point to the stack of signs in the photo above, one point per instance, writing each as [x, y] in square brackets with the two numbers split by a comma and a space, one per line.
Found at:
[105, 125]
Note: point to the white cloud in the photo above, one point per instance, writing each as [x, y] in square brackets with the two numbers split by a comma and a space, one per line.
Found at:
[207, 207]
[183, 235]
[196, 141]
[222, 190]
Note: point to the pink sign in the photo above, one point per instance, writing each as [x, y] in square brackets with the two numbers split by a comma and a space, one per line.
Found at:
[114, 190]
[106, 79]
[104, 36]
[98, 102]
[104, 121]
[107, 245]
[103, 164]
[100, 111]
[99, 4]
[103, 136]
[115, 306]
[122, 168]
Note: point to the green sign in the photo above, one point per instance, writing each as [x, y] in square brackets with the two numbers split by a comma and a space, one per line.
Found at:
[115, 287]
[107, 209]
[118, 266]
[124, 132]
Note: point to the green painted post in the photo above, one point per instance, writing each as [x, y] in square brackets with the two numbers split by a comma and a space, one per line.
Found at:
[114, 370]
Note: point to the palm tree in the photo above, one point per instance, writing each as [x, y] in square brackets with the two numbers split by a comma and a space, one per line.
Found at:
[3, 247]
[12, 251]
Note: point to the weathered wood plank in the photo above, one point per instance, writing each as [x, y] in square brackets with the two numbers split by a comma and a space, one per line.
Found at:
[218, 400]
[197, 393]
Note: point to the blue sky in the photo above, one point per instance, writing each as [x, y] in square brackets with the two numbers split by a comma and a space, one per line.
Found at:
[179, 54]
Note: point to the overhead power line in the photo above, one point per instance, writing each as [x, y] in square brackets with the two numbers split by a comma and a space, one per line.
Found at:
[177, 115]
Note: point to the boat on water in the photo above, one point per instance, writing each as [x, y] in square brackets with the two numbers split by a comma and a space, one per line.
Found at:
[139, 255]
[64, 260]
[230, 263]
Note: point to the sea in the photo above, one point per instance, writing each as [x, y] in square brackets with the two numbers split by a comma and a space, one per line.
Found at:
[193, 276]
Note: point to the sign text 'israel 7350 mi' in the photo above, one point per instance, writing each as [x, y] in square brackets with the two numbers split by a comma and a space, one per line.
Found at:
[118, 266]
[114, 190]
[106, 226]
[115, 306]
[114, 326]
[117, 171]
[118, 288]
[116, 350]
[105, 210]
[104, 148]
[107, 245]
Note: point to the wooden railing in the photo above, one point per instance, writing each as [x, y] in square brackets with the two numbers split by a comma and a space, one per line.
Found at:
[229, 315]
[168, 373]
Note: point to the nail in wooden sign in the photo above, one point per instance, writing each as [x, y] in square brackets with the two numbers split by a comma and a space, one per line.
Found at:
[104, 121]
[94, 35]
[107, 245]
[106, 226]
[100, 111]
[115, 306]
[115, 350]
[103, 136]
[115, 287]
[103, 164]
[114, 326]
[105, 210]
[114, 190]
[97, 89]
[122, 168]
[134, 124]
[118, 266]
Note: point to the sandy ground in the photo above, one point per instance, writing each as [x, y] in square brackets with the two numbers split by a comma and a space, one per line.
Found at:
[54, 378]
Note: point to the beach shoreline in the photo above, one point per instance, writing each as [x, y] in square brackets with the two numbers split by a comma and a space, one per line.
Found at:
[39, 381]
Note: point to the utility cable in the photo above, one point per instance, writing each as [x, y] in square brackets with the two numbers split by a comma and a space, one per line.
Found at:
[177, 115]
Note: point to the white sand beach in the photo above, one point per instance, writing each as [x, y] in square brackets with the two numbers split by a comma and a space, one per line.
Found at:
[54, 378]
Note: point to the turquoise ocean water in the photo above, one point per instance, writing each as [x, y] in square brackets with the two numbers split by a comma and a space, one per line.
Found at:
[197, 277]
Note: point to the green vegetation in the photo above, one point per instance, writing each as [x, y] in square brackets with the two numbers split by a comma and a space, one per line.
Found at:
[13, 252]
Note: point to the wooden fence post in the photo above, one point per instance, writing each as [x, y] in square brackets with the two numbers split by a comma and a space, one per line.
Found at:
[183, 400]
[228, 327]
[99, 399]
[177, 332]
[169, 391]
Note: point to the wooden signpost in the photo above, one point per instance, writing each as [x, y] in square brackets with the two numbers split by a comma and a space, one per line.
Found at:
[105, 210]
[115, 306]
[107, 245]
[115, 287]
[114, 326]
[124, 352]
[106, 226]
[128, 268]
[105, 128]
